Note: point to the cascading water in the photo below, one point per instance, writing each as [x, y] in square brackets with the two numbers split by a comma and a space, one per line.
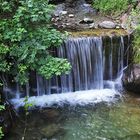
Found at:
[85, 55]
[96, 63]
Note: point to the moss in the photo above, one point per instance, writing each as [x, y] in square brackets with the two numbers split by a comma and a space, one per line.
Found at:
[99, 32]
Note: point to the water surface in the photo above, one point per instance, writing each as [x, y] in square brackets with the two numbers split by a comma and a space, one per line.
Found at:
[102, 121]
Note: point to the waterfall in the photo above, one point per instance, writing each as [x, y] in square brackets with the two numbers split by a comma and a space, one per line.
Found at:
[96, 64]
[85, 55]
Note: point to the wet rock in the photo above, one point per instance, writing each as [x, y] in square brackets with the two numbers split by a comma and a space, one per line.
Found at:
[92, 25]
[107, 25]
[131, 78]
[50, 114]
[86, 21]
[69, 1]
[58, 10]
[131, 137]
[85, 8]
[89, 1]
[56, 1]
[64, 12]
[44, 139]
[50, 130]
[73, 3]
[71, 15]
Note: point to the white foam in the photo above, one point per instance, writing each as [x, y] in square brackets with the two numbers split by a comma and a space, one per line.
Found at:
[73, 98]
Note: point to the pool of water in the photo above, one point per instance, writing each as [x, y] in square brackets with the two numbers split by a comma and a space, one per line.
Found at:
[101, 121]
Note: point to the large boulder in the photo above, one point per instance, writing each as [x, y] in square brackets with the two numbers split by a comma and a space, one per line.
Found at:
[107, 25]
[131, 78]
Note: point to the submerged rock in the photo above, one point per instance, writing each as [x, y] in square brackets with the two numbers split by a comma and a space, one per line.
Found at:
[131, 137]
[51, 130]
[131, 78]
[107, 25]
[50, 114]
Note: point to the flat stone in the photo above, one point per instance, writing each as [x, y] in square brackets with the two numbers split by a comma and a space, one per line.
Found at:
[107, 25]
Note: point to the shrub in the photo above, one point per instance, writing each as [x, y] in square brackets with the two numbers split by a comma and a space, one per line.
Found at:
[111, 7]
[26, 38]
[137, 45]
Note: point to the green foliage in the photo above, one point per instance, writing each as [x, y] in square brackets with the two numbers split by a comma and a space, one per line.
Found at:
[1, 133]
[137, 45]
[112, 7]
[52, 66]
[2, 107]
[134, 18]
[134, 24]
[26, 38]
[27, 105]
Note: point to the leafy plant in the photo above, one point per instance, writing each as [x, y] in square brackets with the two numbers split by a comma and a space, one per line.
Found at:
[134, 18]
[1, 133]
[26, 38]
[137, 45]
[26, 106]
[2, 107]
[111, 7]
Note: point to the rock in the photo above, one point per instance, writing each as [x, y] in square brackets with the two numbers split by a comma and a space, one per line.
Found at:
[78, 15]
[50, 130]
[58, 10]
[92, 25]
[44, 139]
[86, 21]
[107, 25]
[69, 1]
[71, 15]
[64, 12]
[124, 21]
[118, 27]
[131, 137]
[85, 8]
[50, 114]
[56, 1]
[131, 78]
